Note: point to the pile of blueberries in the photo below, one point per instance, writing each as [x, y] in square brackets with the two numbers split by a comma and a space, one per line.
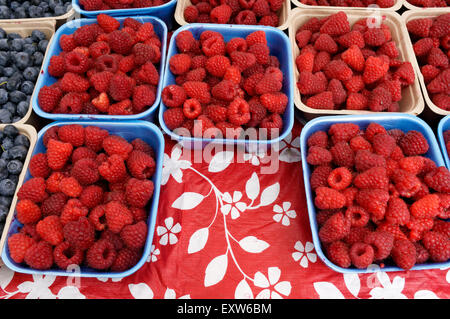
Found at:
[20, 64]
[33, 8]
[14, 150]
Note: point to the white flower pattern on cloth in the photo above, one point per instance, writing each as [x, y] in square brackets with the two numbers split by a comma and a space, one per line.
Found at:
[282, 213]
[154, 252]
[39, 288]
[255, 158]
[233, 205]
[289, 149]
[388, 289]
[173, 166]
[304, 253]
[171, 294]
[168, 232]
[273, 289]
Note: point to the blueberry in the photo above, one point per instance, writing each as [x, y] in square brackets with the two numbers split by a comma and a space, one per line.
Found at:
[14, 82]
[3, 163]
[17, 44]
[4, 96]
[22, 60]
[27, 87]
[8, 71]
[26, 4]
[6, 200]
[18, 152]
[29, 48]
[7, 187]
[14, 5]
[42, 45]
[31, 73]
[5, 156]
[22, 108]
[59, 10]
[10, 131]
[38, 57]
[5, 12]
[17, 96]
[22, 140]
[21, 13]
[14, 167]
[5, 116]
[14, 35]
[38, 35]
[15, 119]
[14, 178]
[35, 11]
[3, 173]
[10, 106]
[4, 55]
[7, 143]
[2, 33]
[4, 210]
[28, 40]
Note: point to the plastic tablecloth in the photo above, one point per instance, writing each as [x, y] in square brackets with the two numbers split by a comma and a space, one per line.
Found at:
[232, 227]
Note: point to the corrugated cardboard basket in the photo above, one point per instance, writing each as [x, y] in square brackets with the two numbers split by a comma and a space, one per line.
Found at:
[418, 14]
[24, 28]
[398, 4]
[30, 132]
[413, 7]
[284, 14]
[58, 19]
[412, 100]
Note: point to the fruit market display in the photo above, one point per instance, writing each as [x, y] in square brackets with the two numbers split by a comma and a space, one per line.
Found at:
[20, 62]
[34, 8]
[224, 85]
[429, 3]
[350, 3]
[249, 12]
[86, 201]
[350, 67]
[14, 149]
[104, 68]
[431, 44]
[379, 199]
[94, 5]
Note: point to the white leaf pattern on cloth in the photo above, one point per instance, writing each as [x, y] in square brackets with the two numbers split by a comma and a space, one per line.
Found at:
[198, 240]
[253, 245]
[220, 161]
[326, 290]
[215, 271]
[188, 200]
[243, 290]
[141, 291]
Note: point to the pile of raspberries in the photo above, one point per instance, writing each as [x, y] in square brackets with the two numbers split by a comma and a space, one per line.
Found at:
[350, 3]
[95, 5]
[224, 87]
[429, 3]
[352, 68]
[250, 12]
[431, 44]
[378, 198]
[86, 202]
[104, 69]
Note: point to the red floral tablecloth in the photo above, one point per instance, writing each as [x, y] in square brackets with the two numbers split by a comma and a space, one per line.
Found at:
[232, 228]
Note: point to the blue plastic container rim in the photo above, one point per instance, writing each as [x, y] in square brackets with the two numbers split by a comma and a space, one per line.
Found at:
[288, 116]
[151, 221]
[123, 12]
[444, 124]
[398, 121]
[54, 48]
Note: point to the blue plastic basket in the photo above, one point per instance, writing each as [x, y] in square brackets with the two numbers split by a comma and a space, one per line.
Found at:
[54, 49]
[165, 12]
[405, 122]
[444, 125]
[279, 46]
[128, 130]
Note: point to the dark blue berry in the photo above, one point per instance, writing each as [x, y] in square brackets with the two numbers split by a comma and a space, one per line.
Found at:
[38, 57]
[3, 96]
[14, 167]
[7, 187]
[22, 108]
[3, 173]
[18, 152]
[42, 45]
[22, 60]
[22, 140]
[5, 116]
[17, 96]
[10, 106]
[4, 55]
[31, 73]
[17, 44]
[27, 87]
[6, 200]
[10, 131]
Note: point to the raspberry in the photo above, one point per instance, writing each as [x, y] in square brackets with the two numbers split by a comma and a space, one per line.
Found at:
[438, 179]
[404, 254]
[337, 69]
[305, 62]
[139, 192]
[319, 176]
[374, 201]
[134, 236]
[442, 227]
[338, 253]
[107, 23]
[216, 113]
[318, 156]
[120, 87]
[354, 58]
[274, 102]
[65, 255]
[374, 69]
[54, 204]
[374, 177]
[422, 254]
[269, 83]
[39, 256]
[302, 38]
[73, 210]
[52, 182]
[343, 132]
[72, 133]
[94, 137]
[221, 14]
[273, 124]
[340, 178]
[224, 90]
[67, 42]
[71, 103]
[72, 82]
[190, 14]
[143, 97]
[80, 233]
[85, 35]
[120, 42]
[91, 196]
[342, 154]
[328, 198]
[101, 255]
[197, 90]
[117, 216]
[38, 166]
[405, 183]
[397, 212]
[28, 212]
[361, 255]
[117, 145]
[318, 138]
[337, 24]
[359, 143]
[426, 207]
[140, 164]
[374, 37]
[335, 228]
[50, 229]
[325, 42]
[125, 259]
[309, 83]
[145, 32]
[82, 153]
[256, 37]
[113, 169]
[383, 144]
[420, 27]
[70, 187]
[76, 62]
[33, 190]
[405, 74]
[18, 244]
[57, 66]
[173, 95]
[173, 118]
[140, 145]
[414, 143]
[438, 245]
[338, 91]
[322, 100]
[242, 60]
[238, 112]
[49, 97]
[100, 80]
[381, 242]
